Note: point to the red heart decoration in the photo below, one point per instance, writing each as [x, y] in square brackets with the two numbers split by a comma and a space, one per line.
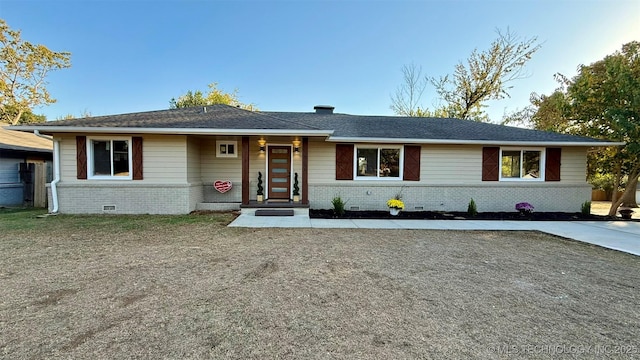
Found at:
[222, 186]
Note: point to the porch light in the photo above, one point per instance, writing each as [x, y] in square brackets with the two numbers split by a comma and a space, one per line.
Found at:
[296, 146]
[262, 144]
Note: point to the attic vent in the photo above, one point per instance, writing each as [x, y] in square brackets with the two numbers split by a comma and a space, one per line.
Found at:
[108, 208]
[323, 109]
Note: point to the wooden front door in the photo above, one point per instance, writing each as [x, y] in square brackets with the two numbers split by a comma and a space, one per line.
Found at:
[279, 172]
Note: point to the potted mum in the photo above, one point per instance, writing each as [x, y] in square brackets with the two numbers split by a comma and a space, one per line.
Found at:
[395, 206]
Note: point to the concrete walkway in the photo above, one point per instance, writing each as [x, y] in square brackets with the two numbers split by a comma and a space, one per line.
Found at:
[618, 235]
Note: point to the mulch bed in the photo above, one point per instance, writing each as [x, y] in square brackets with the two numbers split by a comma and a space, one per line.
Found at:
[459, 215]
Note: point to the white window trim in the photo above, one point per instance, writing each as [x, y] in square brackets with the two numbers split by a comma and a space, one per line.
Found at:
[227, 143]
[522, 149]
[90, 157]
[378, 177]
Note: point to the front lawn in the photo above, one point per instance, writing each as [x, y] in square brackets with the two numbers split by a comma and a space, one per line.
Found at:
[87, 287]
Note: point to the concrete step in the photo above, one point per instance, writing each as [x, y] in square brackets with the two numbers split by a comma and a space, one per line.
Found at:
[274, 212]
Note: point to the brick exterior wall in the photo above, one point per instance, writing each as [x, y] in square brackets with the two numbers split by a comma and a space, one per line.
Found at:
[498, 197]
[129, 198]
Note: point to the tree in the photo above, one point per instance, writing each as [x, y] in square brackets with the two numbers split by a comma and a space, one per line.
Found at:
[23, 71]
[601, 101]
[84, 114]
[406, 100]
[27, 116]
[605, 102]
[487, 75]
[215, 96]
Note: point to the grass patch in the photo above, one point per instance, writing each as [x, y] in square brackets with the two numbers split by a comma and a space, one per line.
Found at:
[29, 219]
[187, 286]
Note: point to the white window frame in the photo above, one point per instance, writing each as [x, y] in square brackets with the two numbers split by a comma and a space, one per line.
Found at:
[90, 160]
[522, 150]
[378, 177]
[226, 144]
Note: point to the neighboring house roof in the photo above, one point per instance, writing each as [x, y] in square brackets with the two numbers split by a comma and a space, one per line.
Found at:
[21, 141]
[223, 119]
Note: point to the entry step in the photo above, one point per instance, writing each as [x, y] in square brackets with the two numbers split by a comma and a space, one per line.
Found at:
[274, 212]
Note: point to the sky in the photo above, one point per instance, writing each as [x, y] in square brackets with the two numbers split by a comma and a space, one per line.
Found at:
[131, 56]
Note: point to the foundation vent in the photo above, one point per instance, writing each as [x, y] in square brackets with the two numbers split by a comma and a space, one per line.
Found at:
[108, 208]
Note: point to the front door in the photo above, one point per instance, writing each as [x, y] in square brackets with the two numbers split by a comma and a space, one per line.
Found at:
[279, 172]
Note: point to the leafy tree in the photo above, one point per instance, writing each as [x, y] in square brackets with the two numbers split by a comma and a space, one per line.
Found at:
[23, 71]
[215, 96]
[605, 102]
[487, 75]
[27, 116]
[601, 101]
[83, 114]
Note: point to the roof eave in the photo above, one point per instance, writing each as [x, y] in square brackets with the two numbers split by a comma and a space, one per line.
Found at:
[171, 131]
[470, 142]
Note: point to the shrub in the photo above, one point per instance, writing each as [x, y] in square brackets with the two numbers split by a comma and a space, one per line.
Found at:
[296, 187]
[338, 206]
[585, 209]
[260, 188]
[472, 210]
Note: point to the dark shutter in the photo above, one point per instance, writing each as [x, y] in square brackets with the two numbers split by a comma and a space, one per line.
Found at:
[552, 164]
[137, 157]
[490, 163]
[81, 157]
[412, 163]
[344, 161]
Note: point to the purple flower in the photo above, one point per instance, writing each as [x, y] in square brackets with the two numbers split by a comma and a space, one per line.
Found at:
[524, 207]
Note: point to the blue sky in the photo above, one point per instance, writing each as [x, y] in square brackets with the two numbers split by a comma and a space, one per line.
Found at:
[130, 56]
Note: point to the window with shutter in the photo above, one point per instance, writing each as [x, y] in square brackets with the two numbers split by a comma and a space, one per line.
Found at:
[490, 163]
[137, 158]
[344, 161]
[552, 164]
[81, 157]
[112, 158]
[412, 163]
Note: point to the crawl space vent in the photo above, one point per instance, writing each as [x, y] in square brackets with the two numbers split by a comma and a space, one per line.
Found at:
[108, 208]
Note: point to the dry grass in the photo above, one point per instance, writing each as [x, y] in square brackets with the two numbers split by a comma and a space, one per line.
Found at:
[188, 287]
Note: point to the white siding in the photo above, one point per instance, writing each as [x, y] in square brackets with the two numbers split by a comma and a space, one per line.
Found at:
[68, 168]
[193, 161]
[322, 162]
[220, 168]
[441, 164]
[164, 159]
[446, 164]
[573, 167]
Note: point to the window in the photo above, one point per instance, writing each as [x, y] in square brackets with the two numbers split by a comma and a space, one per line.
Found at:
[109, 158]
[226, 148]
[521, 164]
[378, 162]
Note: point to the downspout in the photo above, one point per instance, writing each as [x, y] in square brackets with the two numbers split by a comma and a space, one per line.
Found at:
[56, 170]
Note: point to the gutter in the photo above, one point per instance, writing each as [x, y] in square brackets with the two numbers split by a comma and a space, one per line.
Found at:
[172, 131]
[56, 170]
[340, 139]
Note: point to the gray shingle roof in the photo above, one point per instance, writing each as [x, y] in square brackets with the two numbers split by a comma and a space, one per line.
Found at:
[396, 127]
[214, 117]
[343, 126]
